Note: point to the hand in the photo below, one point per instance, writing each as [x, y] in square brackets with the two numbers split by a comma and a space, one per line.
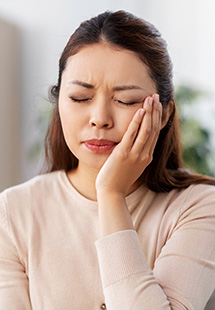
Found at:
[135, 151]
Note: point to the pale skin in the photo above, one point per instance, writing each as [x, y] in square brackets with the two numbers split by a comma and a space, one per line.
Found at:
[107, 93]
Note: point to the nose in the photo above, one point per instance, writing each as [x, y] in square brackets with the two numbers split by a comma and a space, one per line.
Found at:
[101, 115]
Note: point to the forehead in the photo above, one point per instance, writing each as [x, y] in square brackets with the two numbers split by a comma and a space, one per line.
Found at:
[107, 63]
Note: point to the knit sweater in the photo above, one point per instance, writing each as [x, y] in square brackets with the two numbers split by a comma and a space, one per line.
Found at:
[51, 257]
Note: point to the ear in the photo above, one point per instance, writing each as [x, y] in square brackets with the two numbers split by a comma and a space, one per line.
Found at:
[166, 114]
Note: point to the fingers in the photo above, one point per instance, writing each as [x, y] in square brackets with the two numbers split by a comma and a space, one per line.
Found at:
[146, 125]
[150, 127]
[143, 131]
[132, 131]
[156, 125]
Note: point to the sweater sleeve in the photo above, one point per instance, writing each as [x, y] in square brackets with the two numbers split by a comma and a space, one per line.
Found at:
[13, 280]
[184, 272]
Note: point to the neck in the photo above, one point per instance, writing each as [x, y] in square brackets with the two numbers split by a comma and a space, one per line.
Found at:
[83, 180]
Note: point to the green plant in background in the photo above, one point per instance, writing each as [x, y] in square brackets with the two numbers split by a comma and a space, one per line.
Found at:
[195, 139]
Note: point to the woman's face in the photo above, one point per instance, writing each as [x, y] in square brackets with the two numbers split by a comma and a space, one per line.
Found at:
[101, 89]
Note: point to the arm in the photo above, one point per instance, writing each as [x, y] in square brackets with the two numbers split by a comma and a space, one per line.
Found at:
[125, 165]
[184, 272]
[13, 280]
[128, 281]
[120, 256]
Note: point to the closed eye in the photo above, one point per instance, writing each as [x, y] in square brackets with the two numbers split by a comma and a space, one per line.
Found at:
[88, 99]
[127, 103]
[80, 100]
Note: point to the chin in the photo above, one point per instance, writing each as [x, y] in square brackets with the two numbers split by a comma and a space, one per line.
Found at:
[97, 165]
[94, 163]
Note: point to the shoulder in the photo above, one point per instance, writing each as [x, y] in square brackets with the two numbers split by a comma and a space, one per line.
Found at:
[195, 201]
[36, 187]
[198, 202]
[28, 202]
[191, 208]
[200, 193]
[192, 195]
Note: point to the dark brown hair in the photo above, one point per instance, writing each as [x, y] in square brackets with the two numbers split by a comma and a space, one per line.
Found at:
[122, 29]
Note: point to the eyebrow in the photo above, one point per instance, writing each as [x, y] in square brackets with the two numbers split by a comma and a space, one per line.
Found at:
[76, 82]
[117, 88]
[127, 87]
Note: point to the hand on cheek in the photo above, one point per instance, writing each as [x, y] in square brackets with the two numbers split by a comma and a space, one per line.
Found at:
[134, 153]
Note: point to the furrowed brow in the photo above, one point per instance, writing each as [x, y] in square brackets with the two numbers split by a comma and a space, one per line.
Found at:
[117, 88]
[127, 87]
[86, 85]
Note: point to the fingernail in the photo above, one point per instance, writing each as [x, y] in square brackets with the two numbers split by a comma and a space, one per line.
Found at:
[150, 100]
[141, 112]
[156, 97]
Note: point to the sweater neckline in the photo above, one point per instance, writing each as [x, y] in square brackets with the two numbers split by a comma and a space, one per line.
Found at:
[131, 199]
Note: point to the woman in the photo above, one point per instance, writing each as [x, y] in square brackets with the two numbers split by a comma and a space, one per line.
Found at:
[116, 223]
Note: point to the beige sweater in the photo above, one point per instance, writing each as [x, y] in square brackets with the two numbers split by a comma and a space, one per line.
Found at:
[48, 257]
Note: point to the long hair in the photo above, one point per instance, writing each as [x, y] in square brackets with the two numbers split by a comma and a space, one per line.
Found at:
[122, 29]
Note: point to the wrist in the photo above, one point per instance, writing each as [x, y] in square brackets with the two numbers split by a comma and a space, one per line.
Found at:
[113, 212]
[110, 195]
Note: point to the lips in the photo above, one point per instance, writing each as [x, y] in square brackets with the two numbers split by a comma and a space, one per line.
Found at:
[100, 145]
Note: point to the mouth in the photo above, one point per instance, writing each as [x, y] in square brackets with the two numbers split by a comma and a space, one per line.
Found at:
[100, 145]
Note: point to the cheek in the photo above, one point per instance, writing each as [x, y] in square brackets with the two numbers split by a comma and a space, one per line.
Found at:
[124, 120]
[68, 122]
[64, 121]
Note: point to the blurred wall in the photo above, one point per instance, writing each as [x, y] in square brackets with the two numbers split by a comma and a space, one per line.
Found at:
[9, 106]
[45, 26]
